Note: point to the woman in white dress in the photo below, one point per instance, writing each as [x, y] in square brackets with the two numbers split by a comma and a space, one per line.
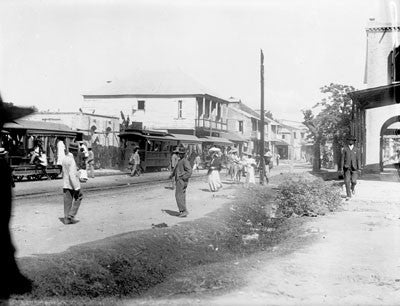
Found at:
[250, 164]
[60, 151]
[214, 180]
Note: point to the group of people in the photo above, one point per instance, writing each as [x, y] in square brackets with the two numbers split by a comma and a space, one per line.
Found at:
[247, 166]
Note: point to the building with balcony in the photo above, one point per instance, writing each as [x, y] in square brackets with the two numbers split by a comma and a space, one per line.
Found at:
[163, 100]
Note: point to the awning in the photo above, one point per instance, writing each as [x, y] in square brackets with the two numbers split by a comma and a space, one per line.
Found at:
[217, 140]
[377, 96]
[150, 137]
[280, 143]
[184, 138]
[233, 137]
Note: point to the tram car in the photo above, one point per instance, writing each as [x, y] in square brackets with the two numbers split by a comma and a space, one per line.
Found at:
[19, 139]
[155, 148]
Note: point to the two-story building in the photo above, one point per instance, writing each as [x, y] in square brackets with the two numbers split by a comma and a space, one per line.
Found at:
[293, 138]
[243, 126]
[164, 100]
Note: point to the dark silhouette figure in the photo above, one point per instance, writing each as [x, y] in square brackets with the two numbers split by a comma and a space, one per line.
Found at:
[13, 282]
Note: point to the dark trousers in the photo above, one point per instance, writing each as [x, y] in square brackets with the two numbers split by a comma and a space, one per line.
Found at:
[180, 194]
[350, 180]
[72, 201]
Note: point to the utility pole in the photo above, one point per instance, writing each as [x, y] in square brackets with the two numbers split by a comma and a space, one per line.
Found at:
[262, 114]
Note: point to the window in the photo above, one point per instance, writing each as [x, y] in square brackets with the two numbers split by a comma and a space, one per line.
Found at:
[294, 135]
[180, 109]
[302, 135]
[241, 126]
[140, 104]
[283, 136]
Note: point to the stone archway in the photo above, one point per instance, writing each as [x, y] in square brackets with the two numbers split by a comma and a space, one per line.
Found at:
[385, 134]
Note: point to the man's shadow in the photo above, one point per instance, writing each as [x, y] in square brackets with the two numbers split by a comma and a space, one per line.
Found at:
[170, 212]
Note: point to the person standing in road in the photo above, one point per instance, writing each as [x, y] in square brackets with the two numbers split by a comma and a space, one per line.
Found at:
[267, 165]
[182, 172]
[12, 280]
[135, 162]
[174, 161]
[71, 187]
[90, 163]
[214, 180]
[278, 157]
[350, 166]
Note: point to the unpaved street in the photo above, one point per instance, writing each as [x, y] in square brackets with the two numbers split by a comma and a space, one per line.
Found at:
[37, 229]
[353, 260]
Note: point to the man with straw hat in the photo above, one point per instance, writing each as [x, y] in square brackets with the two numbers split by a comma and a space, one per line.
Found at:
[13, 282]
[182, 172]
[350, 166]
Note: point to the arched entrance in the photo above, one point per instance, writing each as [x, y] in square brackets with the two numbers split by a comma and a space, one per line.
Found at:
[390, 143]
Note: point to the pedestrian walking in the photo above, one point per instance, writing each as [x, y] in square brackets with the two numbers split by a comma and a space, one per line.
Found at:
[71, 186]
[197, 162]
[174, 161]
[12, 280]
[90, 163]
[60, 151]
[267, 165]
[214, 180]
[278, 157]
[350, 166]
[182, 172]
[134, 161]
[250, 165]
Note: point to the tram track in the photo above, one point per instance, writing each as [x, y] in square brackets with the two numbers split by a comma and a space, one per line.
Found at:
[92, 189]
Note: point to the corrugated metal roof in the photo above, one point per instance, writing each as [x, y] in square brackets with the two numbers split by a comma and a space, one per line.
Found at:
[233, 137]
[173, 82]
[216, 140]
[37, 125]
[186, 138]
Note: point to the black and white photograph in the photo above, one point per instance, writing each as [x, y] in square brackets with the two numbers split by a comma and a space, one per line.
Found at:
[199, 152]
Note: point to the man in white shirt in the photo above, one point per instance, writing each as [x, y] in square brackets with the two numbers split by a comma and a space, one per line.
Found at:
[71, 187]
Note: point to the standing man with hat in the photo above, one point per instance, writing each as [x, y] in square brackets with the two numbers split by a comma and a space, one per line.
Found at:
[182, 172]
[350, 166]
[11, 278]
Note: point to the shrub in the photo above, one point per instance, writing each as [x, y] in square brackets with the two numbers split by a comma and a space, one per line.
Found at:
[306, 195]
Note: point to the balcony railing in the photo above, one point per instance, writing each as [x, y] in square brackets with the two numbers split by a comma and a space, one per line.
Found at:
[211, 125]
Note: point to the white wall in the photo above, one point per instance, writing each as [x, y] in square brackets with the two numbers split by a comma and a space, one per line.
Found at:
[159, 113]
[379, 45]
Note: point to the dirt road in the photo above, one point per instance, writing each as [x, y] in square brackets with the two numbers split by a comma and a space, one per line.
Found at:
[37, 229]
[354, 259]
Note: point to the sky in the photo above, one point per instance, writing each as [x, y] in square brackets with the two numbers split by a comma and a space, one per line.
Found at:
[52, 52]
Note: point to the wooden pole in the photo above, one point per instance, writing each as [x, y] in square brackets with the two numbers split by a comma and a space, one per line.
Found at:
[262, 161]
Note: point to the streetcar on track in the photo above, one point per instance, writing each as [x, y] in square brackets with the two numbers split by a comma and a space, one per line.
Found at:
[19, 138]
[155, 147]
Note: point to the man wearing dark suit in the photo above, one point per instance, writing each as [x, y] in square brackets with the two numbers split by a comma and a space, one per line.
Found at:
[350, 166]
[182, 172]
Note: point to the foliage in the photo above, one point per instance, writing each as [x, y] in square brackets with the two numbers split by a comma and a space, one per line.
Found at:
[332, 123]
[300, 195]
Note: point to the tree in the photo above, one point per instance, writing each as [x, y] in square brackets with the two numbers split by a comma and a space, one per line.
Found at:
[332, 123]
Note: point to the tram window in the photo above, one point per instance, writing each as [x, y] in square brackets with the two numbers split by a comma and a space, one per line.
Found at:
[157, 146]
[165, 146]
[150, 145]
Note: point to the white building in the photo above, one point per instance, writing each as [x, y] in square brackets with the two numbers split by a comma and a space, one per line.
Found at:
[97, 129]
[171, 101]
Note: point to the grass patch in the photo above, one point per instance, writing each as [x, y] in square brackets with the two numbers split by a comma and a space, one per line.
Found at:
[128, 265]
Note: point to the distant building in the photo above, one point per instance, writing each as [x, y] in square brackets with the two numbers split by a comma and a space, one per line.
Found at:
[97, 129]
[294, 133]
[171, 101]
[376, 110]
